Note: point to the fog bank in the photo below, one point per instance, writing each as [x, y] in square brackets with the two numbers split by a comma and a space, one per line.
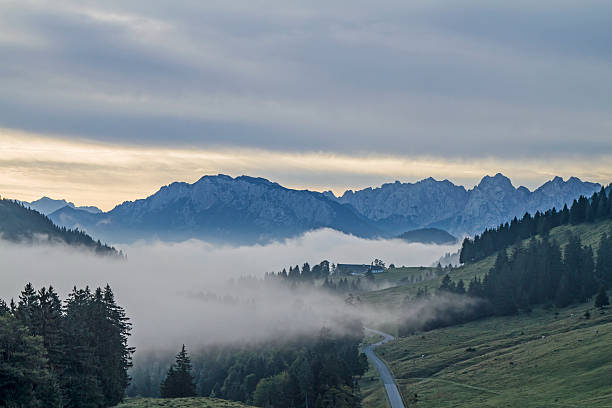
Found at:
[183, 292]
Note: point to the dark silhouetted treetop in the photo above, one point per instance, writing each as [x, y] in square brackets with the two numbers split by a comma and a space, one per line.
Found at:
[179, 382]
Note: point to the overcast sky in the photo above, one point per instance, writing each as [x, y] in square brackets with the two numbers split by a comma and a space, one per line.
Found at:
[453, 89]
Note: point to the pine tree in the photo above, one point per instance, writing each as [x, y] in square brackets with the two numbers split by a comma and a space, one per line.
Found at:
[28, 309]
[602, 205]
[306, 273]
[603, 267]
[50, 329]
[460, 289]
[4, 308]
[179, 381]
[23, 366]
[602, 299]
[447, 284]
[81, 362]
[113, 330]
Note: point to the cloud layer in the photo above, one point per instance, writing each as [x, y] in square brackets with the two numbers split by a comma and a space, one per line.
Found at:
[457, 79]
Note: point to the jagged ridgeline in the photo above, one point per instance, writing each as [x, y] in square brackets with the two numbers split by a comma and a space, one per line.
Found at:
[598, 207]
[21, 224]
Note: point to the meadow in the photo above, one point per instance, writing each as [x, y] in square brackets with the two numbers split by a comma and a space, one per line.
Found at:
[196, 402]
[547, 358]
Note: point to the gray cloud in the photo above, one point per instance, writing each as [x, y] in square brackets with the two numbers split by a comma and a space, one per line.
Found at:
[448, 78]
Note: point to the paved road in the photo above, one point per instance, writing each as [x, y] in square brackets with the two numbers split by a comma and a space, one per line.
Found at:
[385, 374]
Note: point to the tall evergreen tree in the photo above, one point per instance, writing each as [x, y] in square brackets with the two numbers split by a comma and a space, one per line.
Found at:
[179, 381]
[23, 365]
[81, 363]
[603, 267]
[602, 299]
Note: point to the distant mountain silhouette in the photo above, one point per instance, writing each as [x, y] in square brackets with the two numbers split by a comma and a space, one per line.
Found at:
[221, 209]
[428, 236]
[46, 205]
[21, 224]
[246, 209]
[398, 207]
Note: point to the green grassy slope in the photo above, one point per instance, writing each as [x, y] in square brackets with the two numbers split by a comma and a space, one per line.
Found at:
[373, 394]
[505, 362]
[198, 402]
[589, 234]
[395, 294]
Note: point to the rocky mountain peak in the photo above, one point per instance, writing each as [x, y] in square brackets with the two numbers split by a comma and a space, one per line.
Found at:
[499, 180]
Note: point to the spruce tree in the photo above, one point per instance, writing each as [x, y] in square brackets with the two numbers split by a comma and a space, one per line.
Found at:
[4, 309]
[603, 266]
[28, 309]
[113, 352]
[602, 299]
[179, 382]
[23, 365]
[602, 205]
[81, 362]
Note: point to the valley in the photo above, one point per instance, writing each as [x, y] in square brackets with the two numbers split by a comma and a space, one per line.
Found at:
[311, 204]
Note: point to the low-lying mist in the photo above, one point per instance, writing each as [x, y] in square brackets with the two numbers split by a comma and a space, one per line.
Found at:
[195, 293]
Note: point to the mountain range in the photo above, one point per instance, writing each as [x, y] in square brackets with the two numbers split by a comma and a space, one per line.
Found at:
[46, 206]
[247, 209]
[398, 207]
[428, 236]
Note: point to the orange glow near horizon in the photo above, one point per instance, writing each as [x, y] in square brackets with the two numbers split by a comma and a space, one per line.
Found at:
[101, 174]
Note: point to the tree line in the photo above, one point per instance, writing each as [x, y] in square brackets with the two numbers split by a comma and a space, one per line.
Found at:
[70, 355]
[308, 372]
[540, 273]
[306, 274]
[598, 207]
[326, 276]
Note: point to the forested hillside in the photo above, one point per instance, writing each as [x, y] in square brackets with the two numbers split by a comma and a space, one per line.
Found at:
[21, 224]
[311, 371]
[583, 210]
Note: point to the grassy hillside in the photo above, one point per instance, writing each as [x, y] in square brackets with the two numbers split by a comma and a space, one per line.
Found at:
[589, 233]
[373, 393]
[396, 293]
[199, 402]
[544, 359]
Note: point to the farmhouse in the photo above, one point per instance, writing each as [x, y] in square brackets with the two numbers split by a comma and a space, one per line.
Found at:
[357, 269]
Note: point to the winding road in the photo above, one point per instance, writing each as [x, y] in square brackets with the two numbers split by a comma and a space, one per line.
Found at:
[393, 394]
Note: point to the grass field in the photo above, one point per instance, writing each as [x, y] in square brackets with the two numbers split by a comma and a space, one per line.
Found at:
[372, 390]
[539, 360]
[405, 275]
[199, 402]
